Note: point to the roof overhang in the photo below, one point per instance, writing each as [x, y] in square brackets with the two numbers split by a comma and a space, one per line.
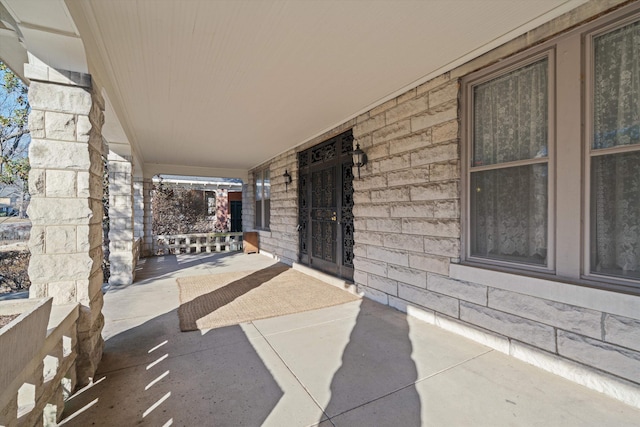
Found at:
[215, 88]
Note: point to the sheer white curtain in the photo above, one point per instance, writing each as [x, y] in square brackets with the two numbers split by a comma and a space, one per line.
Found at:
[615, 178]
[509, 205]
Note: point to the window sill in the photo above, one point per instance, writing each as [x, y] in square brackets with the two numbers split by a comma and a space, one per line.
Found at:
[582, 295]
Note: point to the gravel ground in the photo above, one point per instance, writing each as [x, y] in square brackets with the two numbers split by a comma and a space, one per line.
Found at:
[5, 319]
[13, 271]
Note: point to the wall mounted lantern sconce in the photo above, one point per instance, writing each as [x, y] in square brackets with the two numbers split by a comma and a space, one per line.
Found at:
[359, 158]
[287, 179]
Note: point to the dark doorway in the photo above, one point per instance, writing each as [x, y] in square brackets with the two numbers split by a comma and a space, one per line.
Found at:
[236, 216]
[326, 206]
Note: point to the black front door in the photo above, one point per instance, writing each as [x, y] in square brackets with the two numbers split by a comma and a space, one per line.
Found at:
[236, 215]
[326, 205]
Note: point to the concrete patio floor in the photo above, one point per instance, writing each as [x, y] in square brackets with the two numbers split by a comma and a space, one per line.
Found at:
[357, 364]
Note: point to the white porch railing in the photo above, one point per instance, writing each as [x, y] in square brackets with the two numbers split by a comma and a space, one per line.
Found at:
[196, 243]
[36, 395]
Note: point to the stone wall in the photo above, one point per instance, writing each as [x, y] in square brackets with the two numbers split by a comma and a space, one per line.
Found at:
[407, 233]
[281, 240]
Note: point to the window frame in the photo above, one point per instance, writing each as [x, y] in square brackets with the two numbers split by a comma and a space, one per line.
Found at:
[611, 24]
[259, 177]
[469, 82]
[570, 154]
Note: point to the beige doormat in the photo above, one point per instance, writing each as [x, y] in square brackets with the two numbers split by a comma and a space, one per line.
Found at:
[218, 300]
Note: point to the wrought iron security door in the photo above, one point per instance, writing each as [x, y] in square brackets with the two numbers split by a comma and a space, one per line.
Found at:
[326, 206]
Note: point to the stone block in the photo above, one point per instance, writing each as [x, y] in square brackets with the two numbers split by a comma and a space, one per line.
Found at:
[447, 171]
[369, 238]
[383, 107]
[369, 266]
[391, 164]
[60, 211]
[60, 183]
[360, 277]
[435, 191]
[60, 126]
[446, 209]
[362, 197]
[458, 289]
[445, 132]
[430, 300]
[371, 210]
[390, 195]
[65, 99]
[36, 124]
[45, 154]
[383, 284]
[411, 176]
[385, 225]
[63, 292]
[433, 228]
[409, 276]
[403, 242]
[443, 94]
[410, 94]
[407, 109]
[525, 330]
[378, 151]
[370, 182]
[83, 129]
[60, 267]
[119, 234]
[370, 125]
[37, 239]
[410, 143]
[87, 290]
[412, 210]
[359, 250]
[568, 317]
[623, 331]
[430, 263]
[442, 246]
[419, 313]
[610, 358]
[435, 116]
[60, 239]
[433, 83]
[373, 294]
[392, 256]
[392, 131]
[435, 154]
[37, 182]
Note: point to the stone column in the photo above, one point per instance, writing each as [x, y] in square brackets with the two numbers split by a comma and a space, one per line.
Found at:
[121, 256]
[147, 243]
[65, 183]
[138, 208]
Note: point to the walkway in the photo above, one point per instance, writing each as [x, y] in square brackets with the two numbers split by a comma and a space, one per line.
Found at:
[358, 364]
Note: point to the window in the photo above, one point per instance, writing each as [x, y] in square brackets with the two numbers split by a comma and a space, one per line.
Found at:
[552, 160]
[614, 152]
[509, 166]
[263, 198]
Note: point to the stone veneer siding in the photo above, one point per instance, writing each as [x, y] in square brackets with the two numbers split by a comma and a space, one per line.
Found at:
[408, 228]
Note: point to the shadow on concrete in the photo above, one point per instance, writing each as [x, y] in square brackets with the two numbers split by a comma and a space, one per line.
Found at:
[375, 363]
[155, 375]
[208, 303]
[152, 269]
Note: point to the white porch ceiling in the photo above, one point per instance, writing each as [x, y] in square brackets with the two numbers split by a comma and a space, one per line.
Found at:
[230, 84]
